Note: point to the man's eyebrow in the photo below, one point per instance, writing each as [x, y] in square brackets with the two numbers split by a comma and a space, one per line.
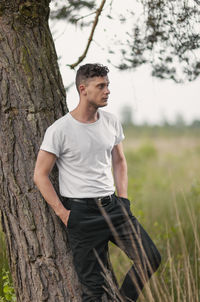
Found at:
[103, 83]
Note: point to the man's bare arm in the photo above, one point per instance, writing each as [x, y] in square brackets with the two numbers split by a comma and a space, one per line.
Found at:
[44, 165]
[120, 170]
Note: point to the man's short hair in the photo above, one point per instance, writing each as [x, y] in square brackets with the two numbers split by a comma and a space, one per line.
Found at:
[89, 71]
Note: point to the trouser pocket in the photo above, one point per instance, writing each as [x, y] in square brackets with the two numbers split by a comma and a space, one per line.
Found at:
[125, 201]
[69, 219]
[77, 215]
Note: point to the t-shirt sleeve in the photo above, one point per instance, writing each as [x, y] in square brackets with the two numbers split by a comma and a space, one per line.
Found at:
[119, 133]
[51, 142]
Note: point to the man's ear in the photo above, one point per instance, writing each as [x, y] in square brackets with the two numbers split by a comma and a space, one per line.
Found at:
[82, 89]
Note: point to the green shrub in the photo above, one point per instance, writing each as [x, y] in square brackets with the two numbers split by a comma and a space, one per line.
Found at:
[8, 289]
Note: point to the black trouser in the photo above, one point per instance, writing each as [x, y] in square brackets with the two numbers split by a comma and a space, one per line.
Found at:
[90, 228]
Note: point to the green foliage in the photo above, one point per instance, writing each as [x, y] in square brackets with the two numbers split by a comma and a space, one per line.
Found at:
[8, 290]
[165, 130]
[145, 152]
[195, 190]
[72, 11]
[3, 260]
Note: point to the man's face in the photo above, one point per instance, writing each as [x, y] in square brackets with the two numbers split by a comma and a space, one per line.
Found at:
[96, 91]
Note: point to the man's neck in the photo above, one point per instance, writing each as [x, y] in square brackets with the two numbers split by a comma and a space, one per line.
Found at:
[85, 114]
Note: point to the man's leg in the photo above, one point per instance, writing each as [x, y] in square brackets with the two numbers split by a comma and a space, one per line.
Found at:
[136, 243]
[88, 237]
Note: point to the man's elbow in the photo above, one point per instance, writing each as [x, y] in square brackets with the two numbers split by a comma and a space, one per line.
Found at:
[120, 161]
[36, 178]
[40, 176]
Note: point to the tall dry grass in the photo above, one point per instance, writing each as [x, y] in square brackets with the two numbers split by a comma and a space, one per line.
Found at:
[164, 187]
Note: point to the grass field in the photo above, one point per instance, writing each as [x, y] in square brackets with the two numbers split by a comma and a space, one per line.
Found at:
[164, 189]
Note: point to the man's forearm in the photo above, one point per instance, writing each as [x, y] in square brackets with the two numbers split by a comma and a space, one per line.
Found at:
[121, 178]
[48, 192]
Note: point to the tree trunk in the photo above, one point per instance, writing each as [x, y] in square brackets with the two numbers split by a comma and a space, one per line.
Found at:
[32, 96]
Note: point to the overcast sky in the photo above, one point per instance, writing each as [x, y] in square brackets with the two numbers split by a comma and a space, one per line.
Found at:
[150, 99]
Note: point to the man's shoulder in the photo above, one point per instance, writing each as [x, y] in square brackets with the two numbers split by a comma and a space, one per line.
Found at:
[59, 123]
[108, 116]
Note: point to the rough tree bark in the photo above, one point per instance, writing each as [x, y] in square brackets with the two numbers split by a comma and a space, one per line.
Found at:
[32, 96]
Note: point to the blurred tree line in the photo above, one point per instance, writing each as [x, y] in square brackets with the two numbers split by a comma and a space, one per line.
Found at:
[127, 119]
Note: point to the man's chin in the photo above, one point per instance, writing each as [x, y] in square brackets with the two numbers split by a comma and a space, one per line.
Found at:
[103, 104]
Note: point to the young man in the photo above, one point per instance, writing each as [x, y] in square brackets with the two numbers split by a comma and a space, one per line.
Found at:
[86, 146]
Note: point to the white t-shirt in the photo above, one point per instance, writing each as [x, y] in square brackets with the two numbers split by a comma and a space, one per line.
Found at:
[84, 154]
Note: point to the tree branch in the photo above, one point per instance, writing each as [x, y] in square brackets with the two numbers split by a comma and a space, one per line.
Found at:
[83, 17]
[82, 57]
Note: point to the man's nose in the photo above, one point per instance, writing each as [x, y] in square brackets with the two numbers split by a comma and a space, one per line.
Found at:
[107, 91]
